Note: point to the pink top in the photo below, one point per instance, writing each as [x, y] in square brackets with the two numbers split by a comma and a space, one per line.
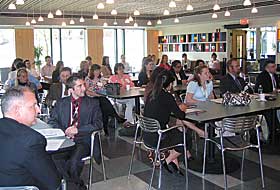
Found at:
[125, 80]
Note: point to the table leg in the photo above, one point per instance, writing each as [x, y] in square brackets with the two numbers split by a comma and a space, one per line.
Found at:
[137, 105]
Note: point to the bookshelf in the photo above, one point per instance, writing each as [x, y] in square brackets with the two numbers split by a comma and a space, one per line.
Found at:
[278, 40]
[199, 42]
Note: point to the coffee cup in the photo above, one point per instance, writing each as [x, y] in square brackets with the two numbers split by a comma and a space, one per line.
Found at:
[262, 97]
[127, 87]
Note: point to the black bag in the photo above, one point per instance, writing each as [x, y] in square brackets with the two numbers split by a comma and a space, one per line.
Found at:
[241, 99]
[113, 88]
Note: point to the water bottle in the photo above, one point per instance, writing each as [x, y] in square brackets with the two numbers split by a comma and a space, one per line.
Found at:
[260, 89]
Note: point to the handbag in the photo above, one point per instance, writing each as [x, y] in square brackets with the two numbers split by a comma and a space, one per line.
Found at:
[241, 99]
[113, 88]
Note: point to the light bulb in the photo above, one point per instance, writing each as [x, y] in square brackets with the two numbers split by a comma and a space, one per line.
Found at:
[95, 17]
[166, 12]
[33, 21]
[176, 20]
[254, 10]
[20, 2]
[216, 7]
[214, 15]
[114, 12]
[115, 23]
[159, 21]
[100, 6]
[135, 24]
[50, 15]
[110, 1]
[149, 23]
[105, 24]
[82, 19]
[189, 7]
[58, 12]
[227, 13]
[27, 23]
[12, 6]
[72, 21]
[63, 23]
[136, 13]
[130, 19]
[172, 4]
[126, 21]
[247, 3]
[40, 19]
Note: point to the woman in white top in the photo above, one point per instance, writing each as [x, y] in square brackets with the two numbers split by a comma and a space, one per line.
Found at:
[200, 89]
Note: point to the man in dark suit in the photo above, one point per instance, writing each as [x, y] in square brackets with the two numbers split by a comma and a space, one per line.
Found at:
[232, 82]
[78, 116]
[23, 159]
[59, 90]
[268, 78]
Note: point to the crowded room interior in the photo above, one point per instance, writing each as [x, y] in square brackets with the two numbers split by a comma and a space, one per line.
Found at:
[139, 94]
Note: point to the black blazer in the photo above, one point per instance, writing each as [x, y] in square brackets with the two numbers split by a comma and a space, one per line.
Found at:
[182, 76]
[142, 79]
[55, 76]
[90, 120]
[55, 93]
[264, 79]
[23, 159]
[228, 84]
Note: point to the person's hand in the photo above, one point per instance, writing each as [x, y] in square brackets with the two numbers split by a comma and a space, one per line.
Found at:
[183, 107]
[71, 131]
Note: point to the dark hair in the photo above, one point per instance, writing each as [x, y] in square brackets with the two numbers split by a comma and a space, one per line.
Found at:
[198, 61]
[71, 81]
[164, 55]
[88, 58]
[184, 55]
[93, 68]
[229, 62]
[269, 61]
[25, 61]
[47, 57]
[104, 60]
[117, 67]
[214, 54]
[66, 69]
[198, 70]
[145, 62]
[10, 97]
[59, 64]
[16, 60]
[20, 64]
[175, 63]
[163, 80]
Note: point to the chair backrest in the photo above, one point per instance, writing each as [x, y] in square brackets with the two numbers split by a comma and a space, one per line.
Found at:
[19, 188]
[147, 124]
[239, 124]
[182, 97]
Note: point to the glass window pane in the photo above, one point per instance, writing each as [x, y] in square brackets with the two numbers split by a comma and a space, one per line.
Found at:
[120, 42]
[268, 41]
[42, 39]
[134, 48]
[73, 47]
[56, 46]
[109, 45]
[7, 47]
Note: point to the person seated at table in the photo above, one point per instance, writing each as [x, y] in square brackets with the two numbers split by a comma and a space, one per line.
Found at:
[232, 82]
[89, 60]
[268, 78]
[13, 75]
[84, 68]
[127, 67]
[105, 67]
[164, 62]
[78, 116]
[124, 80]
[31, 68]
[47, 69]
[94, 82]
[201, 88]
[56, 72]
[146, 71]
[214, 64]
[159, 105]
[186, 62]
[178, 73]
[22, 81]
[198, 62]
[59, 90]
[24, 160]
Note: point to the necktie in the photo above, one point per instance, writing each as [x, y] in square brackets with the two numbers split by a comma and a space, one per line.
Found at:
[273, 82]
[65, 92]
[238, 84]
[75, 110]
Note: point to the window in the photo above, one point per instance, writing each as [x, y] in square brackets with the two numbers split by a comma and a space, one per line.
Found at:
[56, 49]
[251, 44]
[120, 42]
[73, 47]
[109, 45]
[42, 39]
[268, 41]
[134, 48]
[7, 47]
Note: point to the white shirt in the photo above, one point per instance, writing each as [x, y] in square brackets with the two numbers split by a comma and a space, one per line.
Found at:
[63, 90]
[273, 81]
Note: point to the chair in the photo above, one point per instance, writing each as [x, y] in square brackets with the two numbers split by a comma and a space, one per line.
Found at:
[19, 188]
[90, 157]
[149, 125]
[241, 126]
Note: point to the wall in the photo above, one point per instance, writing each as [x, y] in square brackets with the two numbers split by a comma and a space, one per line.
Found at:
[152, 42]
[95, 45]
[24, 42]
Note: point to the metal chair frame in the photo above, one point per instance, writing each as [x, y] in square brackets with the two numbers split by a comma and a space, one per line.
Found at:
[241, 126]
[152, 126]
[19, 188]
[90, 157]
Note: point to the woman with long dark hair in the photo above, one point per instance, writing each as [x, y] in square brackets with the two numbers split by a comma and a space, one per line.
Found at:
[105, 67]
[146, 71]
[164, 62]
[201, 88]
[56, 72]
[178, 73]
[95, 82]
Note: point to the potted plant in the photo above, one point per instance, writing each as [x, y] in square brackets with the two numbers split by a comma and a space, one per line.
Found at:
[38, 52]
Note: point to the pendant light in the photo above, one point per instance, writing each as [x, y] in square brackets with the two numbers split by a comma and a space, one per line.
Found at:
[172, 4]
[189, 6]
[149, 23]
[214, 15]
[20, 2]
[216, 7]
[166, 12]
[227, 13]
[247, 3]
[100, 6]
[12, 6]
[159, 22]
[136, 13]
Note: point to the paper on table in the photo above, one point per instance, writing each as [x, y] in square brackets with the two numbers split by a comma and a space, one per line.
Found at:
[50, 132]
[218, 100]
[54, 144]
[194, 111]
